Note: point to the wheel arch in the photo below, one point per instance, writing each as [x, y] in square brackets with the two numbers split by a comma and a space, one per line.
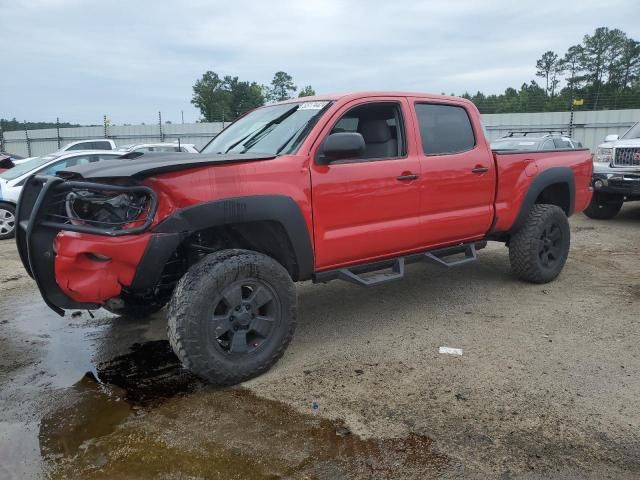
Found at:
[554, 186]
[270, 224]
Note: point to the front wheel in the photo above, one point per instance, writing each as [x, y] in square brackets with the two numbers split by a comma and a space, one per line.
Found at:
[232, 316]
[7, 221]
[603, 207]
[539, 250]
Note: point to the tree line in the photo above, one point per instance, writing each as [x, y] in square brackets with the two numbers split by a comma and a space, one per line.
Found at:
[601, 73]
[12, 125]
[223, 99]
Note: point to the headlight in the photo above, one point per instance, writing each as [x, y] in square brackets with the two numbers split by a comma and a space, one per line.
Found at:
[604, 155]
[105, 210]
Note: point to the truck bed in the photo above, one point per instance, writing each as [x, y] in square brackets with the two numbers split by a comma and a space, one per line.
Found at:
[516, 170]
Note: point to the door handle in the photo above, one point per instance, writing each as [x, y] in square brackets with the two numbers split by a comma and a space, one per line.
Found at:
[480, 169]
[407, 177]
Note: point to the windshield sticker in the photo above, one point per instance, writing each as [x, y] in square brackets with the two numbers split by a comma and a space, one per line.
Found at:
[312, 105]
[527, 143]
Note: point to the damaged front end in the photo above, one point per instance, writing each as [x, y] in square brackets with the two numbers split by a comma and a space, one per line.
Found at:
[62, 225]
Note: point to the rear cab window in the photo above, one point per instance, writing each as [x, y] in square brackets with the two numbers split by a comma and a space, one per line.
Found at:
[444, 129]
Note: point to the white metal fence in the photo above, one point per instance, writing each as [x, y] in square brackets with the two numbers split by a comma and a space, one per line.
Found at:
[41, 142]
[588, 127]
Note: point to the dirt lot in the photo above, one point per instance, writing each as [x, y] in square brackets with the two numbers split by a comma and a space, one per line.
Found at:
[548, 385]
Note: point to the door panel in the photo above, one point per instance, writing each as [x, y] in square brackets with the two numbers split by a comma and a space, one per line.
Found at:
[361, 209]
[457, 188]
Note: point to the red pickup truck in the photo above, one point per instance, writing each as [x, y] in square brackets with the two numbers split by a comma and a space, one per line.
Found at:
[349, 187]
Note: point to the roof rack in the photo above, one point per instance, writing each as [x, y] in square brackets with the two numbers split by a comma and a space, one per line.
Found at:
[524, 133]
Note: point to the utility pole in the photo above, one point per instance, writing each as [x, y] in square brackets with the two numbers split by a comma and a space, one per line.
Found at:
[105, 123]
[160, 125]
[58, 132]
[571, 118]
[1, 139]
[182, 115]
[26, 136]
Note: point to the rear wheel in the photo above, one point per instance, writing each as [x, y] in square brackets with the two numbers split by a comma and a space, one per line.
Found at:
[232, 316]
[7, 221]
[539, 250]
[604, 207]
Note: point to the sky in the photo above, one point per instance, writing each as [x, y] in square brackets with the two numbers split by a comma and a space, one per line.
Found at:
[81, 59]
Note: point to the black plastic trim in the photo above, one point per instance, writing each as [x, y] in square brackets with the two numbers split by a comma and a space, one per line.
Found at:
[156, 255]
[278, 208]
[554, 175]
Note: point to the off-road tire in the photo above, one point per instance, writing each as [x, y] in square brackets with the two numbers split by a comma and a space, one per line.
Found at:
[7, 207]
[133, 310]
[526, 248]
[199, 295]
[603, 207]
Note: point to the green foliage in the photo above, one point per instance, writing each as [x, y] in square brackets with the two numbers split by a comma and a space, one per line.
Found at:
[307, 91]
[224, 99]
[604, 71]
[282, 87]
[13, 125]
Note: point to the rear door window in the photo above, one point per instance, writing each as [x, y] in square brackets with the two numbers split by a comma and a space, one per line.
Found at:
[444, 129]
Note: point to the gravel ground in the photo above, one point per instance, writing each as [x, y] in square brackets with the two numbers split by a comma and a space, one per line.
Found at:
[547, 386]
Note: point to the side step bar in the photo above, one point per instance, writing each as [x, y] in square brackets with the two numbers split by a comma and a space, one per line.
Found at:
[470, 255]
[354, 274]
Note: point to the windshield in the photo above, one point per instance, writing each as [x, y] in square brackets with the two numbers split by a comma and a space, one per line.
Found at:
[633, 132]
[513, 144]
[26, 167]
[273, 130]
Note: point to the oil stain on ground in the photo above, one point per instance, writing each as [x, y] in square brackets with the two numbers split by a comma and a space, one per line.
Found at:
[143, 416]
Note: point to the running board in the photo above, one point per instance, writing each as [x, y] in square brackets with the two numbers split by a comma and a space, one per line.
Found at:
[396, 273]
[356, 274]
[470, 255]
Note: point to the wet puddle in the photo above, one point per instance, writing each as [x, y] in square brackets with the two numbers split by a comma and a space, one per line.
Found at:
[144, 416]
[134, 412]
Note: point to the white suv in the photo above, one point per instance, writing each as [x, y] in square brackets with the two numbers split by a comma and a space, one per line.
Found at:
[12, 180]
[616, 174]
[94, 144]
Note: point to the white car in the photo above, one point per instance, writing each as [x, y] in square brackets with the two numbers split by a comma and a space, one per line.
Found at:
[159, 147]
[12, 180]
[616, 174]
[93, 144]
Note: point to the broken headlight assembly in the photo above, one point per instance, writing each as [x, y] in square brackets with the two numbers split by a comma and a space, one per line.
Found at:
[115, 210]
[98, 208]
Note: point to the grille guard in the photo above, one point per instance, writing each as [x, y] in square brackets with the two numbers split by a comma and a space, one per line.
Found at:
[36, 231]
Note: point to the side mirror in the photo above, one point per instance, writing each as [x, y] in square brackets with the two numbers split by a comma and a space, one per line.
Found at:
[611, 138]
[341, 145]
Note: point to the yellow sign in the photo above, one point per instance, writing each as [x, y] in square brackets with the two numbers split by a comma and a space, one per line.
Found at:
[578, 101]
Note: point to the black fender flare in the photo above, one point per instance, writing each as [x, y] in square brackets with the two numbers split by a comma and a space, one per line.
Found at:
[553, 175]
[278, 208]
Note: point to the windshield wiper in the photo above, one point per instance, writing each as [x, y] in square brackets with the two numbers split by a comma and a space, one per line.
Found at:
[255, 137]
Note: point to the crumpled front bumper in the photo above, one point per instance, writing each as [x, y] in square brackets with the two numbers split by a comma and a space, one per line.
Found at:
[75, 266]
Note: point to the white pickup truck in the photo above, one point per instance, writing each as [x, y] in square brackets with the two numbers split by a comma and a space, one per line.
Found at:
[616, 174]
